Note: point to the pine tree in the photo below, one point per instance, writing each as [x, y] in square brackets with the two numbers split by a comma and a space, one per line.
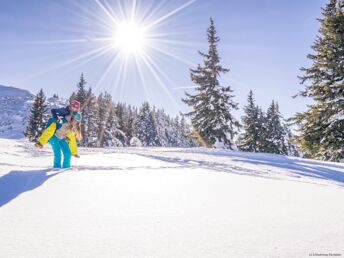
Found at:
[131, 128]
[145, 126]
[113, 136]
[104, 102]
[249, 140]
[174, 137]
[81, 94]
[154, 131]
[121, 115]
[38, 117]
[262, 144]
[89, 121]
[275, 133]
[289, 142]
[82, 97]
[322, 125]
[212, 104]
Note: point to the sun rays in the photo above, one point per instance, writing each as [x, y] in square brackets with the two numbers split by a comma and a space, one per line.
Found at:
[127, 32]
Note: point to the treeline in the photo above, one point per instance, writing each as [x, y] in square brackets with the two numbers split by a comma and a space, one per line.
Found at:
[109, 124]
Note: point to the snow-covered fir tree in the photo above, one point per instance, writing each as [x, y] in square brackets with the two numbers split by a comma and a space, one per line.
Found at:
[163, 128]
[289, 142]
[261, 125]
[154, 132]
[275, 132]
[82, 96]
[122, 116]
[322, 125]
[103, 111]
[38, 117]
[113, 136]
[174, 132]
[252, 125]
[131, 124]
[213, 103]
[145, 126]
[89, 121]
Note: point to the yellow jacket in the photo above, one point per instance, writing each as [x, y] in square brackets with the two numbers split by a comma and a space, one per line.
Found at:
[50, 131]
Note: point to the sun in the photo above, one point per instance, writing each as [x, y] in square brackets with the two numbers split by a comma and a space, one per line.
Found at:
[129, 37]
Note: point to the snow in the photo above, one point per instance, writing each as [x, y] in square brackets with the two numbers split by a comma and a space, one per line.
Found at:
[168, 202]
[15, 106]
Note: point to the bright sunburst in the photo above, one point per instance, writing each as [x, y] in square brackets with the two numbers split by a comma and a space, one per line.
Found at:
[129, 37]
[128, 33]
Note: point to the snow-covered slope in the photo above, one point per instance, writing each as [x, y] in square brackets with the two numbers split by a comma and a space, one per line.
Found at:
[168, 202]
[15, 105]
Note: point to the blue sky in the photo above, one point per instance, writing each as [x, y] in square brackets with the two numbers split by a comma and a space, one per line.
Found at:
[48, 44]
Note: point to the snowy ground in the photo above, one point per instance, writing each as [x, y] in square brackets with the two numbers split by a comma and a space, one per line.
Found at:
[167, 202]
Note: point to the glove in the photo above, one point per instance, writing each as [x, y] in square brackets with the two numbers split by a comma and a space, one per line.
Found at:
[38, 145]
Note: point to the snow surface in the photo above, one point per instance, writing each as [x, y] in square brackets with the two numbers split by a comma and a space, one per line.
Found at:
[168, 202]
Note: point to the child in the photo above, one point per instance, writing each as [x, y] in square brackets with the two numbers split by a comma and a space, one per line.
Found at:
[61, 131]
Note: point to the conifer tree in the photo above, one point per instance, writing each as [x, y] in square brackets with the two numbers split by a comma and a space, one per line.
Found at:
[145, 127]
[262, 144]
[103, 111]
[131, 128]
[89, 121]
[212, 104]
[113, 136]
[322, 125]
[38, 117]
[275, 133]
[81, 96]
[249, 140]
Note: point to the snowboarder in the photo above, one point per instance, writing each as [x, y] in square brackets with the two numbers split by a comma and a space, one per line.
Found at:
[62, 131]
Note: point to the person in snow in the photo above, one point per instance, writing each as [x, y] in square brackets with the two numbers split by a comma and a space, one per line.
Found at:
[62, 131]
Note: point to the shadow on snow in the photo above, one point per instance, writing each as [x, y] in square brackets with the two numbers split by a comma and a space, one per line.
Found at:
[17, 182]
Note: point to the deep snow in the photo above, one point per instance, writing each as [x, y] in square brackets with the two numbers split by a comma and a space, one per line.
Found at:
[168, 202]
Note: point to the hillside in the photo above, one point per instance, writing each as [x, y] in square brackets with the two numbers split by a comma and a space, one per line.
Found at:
[15, 105]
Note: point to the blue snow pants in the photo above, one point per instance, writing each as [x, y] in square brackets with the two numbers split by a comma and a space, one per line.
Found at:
[60, 146]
